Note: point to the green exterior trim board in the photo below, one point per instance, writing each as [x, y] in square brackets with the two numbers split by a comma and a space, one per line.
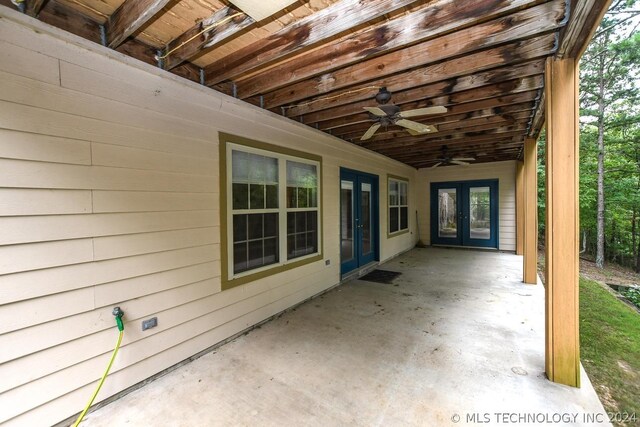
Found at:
[223, 139]
[401, 232]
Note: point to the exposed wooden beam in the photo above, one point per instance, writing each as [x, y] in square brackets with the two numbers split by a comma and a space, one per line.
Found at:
[129, 18]
[445, 87]
[538, 119]
[562, 222]
[70, 20]
[429, 21]
[515, 130]
[453, 101]
[328, 22]
[515, 52]
[397, 132]
[467, 107]
[221, 26]
[515, 110]
[585, 19]
[63, 17]
[34, 7]
[489, 155]
[454, 97]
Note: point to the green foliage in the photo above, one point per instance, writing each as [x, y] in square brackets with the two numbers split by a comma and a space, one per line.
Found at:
[633, 295]
[610, 72]
[610, 347]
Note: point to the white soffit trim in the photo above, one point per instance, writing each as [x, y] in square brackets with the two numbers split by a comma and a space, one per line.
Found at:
[261, 9]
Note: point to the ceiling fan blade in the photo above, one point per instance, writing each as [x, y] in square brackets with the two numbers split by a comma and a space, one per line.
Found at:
[457, 162]
[436, 165]
[369, 133]
[464, 159]
[376, 111]
[415, 126]
[423, 111]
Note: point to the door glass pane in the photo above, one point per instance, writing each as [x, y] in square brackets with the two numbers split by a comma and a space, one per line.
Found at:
[480, 213]
[447, 213]
[346, 220]
[365, 221]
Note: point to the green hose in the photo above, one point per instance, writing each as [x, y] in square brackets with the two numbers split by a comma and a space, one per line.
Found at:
[118, 313]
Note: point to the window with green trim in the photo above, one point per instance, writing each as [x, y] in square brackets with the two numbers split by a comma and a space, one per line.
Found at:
[273, 209]
[398, 205]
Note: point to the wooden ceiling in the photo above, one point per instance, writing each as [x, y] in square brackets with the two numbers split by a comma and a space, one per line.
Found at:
[321, 61]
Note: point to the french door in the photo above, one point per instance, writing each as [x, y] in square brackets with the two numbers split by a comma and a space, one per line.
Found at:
[358, 219]
[465, 213]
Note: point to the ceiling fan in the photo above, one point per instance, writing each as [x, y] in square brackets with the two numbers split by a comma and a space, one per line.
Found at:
[448, 160]
[387, 114]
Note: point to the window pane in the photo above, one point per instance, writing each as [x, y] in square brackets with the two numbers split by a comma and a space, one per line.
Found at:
[393, 220]
[239, 228]
[271, 225]
[239, 257]
[257, 167]
[291, 223]
[393, 193]
[313, 198]
[404, 218]
[255, 254]
[402, 194]
[303, 197]
[270, 251]
[256, 196]
[301, 222]
[240, 196]
[302, 232]
[240, 166]
[301, 175]
[255, 226]
[272, 197]
[292, 197]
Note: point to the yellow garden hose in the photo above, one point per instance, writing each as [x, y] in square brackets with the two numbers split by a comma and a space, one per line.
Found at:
[118, 313]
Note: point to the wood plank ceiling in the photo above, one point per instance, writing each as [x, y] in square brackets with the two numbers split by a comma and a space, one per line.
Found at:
[321, 61]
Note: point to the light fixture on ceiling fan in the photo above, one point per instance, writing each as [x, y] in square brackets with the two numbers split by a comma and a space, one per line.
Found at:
[446, 159]
[387, 114]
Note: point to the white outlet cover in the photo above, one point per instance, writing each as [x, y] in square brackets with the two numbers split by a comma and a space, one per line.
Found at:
[261, 9]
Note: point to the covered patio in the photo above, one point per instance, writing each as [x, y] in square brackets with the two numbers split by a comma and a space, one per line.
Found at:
[457, 333]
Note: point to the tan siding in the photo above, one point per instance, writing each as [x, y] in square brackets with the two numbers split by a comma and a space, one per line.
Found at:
[503, 171]
[14, 202]
[109, 196]
[31, 146]
[27, 63]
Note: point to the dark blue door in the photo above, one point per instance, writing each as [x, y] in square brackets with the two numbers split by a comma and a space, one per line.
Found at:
[465, 213]
[358, 219]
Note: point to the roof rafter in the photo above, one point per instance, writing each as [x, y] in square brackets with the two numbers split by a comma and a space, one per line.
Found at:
[328, 22]
[448, 15]
[129, 18]
[519, 51]
[219, 27]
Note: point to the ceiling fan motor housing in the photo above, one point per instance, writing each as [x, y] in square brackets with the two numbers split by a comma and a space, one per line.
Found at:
[383, 96]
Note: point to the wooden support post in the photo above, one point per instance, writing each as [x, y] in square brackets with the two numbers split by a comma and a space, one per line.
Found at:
[562, 222]
[530, 191]
[519, 208]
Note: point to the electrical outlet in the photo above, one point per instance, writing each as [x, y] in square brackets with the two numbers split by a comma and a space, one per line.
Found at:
[149, 323]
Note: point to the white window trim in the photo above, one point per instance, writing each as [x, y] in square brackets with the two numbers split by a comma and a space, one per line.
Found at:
[282, 210]
[399, 206]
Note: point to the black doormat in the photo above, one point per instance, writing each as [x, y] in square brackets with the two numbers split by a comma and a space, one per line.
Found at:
[381, 276]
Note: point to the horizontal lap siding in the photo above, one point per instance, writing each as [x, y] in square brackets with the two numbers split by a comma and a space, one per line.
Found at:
[109, 195]
[504, 172]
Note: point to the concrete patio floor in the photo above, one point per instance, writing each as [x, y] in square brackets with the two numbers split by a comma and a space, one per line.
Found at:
[456, 336]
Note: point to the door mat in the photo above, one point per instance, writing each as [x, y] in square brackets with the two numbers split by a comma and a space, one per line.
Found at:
[381, 276]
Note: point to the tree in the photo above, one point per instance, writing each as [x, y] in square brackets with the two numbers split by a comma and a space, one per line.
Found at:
[609, 81]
